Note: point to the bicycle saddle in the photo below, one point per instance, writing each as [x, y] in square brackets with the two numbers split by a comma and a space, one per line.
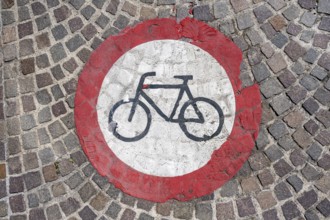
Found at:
[184, 77]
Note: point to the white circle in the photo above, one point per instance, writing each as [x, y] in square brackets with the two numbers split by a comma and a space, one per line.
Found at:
[165, 150]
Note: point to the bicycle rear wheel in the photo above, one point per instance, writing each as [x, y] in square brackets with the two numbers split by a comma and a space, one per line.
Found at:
[126, 130]
[206, 129]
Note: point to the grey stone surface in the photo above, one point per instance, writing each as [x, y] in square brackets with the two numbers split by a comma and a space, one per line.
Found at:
[244, 21]
[45, 47]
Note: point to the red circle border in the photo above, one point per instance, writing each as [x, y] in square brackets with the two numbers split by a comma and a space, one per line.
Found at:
[224, 163]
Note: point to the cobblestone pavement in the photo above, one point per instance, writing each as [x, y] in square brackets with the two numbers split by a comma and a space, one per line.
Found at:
[45, 175]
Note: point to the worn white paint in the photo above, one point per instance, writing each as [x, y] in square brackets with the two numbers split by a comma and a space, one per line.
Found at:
[165, 151]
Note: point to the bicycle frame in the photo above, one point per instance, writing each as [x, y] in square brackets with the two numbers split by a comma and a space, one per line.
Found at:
[184, 88]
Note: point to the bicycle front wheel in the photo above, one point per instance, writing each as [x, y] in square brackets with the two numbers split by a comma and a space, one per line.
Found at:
[126, 130]
[201, 119]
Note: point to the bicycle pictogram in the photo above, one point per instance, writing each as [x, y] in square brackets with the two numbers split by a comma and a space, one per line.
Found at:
[193, 106]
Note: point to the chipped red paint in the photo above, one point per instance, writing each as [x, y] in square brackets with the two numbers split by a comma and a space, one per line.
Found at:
[225, 161]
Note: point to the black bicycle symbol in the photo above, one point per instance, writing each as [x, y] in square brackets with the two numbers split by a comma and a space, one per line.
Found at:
[190, 104]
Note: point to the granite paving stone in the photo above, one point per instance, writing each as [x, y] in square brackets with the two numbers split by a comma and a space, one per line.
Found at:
[147, 13]
[57, 92]
[324, 25]
[3, 189]
[44, 195]
[282, 168]
[245, 207]
[278, 22]
[311, 106]
[324, 6]
[203, 13]
[308, 198]
[319, 73]
[13, 147]
[30, 161]
[204, 211]
[295, 182]
[321, 40]
[220, 10]
[279, 40]
[262, 13]
[310, 173]
[102, 21]
[100, 201]
[291, 12]
[307, 4]
[324, 207]
[69, 206]
[8, 17]
[270, 87]
[26, 47]
[25, 29]
[277, 5]
[293, 29]
[262, 139]
[49, 173]
[128, 200]
[42, 40]
[311, 215]
[87, 214]
[266, 200]
[62, 13]
[324, 61]
[144, 216]
[324, 162]
[274, 153]
[53, 212]
[113, 210]
[323, 137]
[23, 13]
[322, 184]
[183, 210]
[58, 53]
[294, 50]
[75, 24]
[38, 8]
[258, 161]
[43, 22]
[17, 203]
[307, 36]
[324, 116]
[244, 21]
[76, 3]
[250, 184]
[16, 184]
[87, 191]
[98, 3]
[32, 180]
[225, 211]
[270, 214]
[128, 214]
[58, 189]
[290, 210]
[281, 104]
[113, 6]
[314, 151]
[3, 209]
[75, 180]
[311, 56]
[59, 32]
[308, 19]
[87, 12]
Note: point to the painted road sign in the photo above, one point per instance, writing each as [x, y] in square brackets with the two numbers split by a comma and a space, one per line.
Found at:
[160, 110]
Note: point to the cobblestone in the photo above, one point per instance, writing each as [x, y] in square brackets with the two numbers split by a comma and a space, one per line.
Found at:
[323, 207]
[285, 50]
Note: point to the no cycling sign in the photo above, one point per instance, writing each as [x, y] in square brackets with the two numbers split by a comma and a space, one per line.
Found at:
[160, 110]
